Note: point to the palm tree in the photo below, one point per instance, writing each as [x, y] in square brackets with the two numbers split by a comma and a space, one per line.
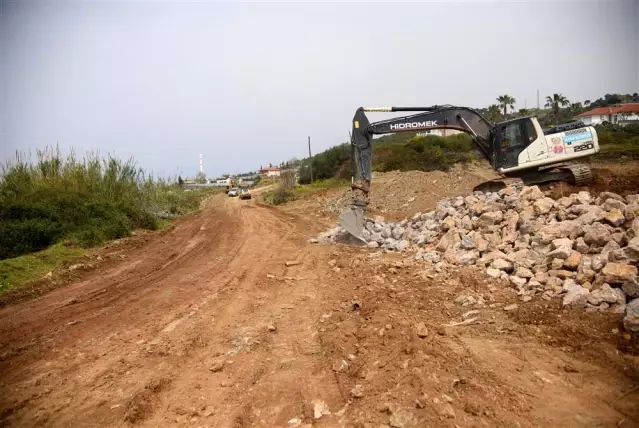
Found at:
[524, 112]
[576, 108]
[494, 113]
[506, 101]
[555, 102]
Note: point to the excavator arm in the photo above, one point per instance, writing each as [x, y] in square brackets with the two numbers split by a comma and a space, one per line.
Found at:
[427, 118]
[436, 117]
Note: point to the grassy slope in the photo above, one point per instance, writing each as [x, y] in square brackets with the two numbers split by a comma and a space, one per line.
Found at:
[82, 203]
[20, 270]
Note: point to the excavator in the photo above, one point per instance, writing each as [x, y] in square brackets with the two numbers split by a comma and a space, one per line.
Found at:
[519, 149]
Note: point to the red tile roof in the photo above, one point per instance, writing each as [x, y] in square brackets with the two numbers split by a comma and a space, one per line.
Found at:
[623, 108]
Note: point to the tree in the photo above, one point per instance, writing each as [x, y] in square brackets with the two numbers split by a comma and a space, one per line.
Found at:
[180, 181]
[576, 108]
[587, 103]
[494, 113]
[635, 97]
[524, 112]
[555, 103]
[506, 101]
[200, 178]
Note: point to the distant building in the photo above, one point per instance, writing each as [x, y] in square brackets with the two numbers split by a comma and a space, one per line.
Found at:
[622, 114]
[270, 172]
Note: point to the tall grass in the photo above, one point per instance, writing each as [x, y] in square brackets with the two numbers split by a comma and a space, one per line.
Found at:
[86, 201]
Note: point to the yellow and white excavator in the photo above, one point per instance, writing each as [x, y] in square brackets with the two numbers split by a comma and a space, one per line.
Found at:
[519, 149]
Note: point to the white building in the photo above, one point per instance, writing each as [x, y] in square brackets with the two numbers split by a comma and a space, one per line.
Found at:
[622, 114]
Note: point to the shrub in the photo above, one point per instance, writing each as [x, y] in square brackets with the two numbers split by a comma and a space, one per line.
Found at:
[86, 201]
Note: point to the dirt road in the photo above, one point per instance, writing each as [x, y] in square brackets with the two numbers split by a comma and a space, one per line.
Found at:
[204, 325]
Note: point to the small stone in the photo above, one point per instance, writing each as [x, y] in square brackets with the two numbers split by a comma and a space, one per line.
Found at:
[502, 264]
[631, 318]
[572, 262]
[510, 307]
[563, 274]
[531, 193]
[560, 253]
[632, 250]
[421, 329]
[565, 201]
[320, 409]
[271, 327]
[493, 273]
[517, 281]
[217, 366]
[615, 217]
[631, 287]
[490, 218]
[592, 214]
[357, 391]
[543, 206]
[402, 419]
[372, 244]
[523, 272]
[470, 314]
[561, 242]
[606, 294]
[444, 330]
[467, 242]
[604, 196]
[581, 246]
[446, 411]
[576, 296]
[597, 234]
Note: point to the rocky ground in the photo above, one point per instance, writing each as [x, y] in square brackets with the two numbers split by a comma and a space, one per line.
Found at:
[231, 318]
[581, 248]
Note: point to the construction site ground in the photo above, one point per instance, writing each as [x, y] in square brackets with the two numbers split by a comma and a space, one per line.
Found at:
[230, 318]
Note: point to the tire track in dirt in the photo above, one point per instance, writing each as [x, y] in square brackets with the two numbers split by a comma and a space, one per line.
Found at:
[133, 345]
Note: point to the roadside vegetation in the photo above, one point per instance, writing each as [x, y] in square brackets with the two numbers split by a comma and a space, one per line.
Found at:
[66, 203]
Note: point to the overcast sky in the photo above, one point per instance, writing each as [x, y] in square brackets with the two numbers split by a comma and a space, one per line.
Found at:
[246, 83]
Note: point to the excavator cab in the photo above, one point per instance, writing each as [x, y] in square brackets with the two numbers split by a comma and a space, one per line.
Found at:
[511, 139]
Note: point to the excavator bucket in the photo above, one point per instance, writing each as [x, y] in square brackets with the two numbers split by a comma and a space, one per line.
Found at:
[353, 221]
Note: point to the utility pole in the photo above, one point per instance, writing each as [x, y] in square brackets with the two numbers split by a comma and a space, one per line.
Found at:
[537, 99]
[310, 159]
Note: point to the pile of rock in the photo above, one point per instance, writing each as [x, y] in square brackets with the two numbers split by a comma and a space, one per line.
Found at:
[582, 248]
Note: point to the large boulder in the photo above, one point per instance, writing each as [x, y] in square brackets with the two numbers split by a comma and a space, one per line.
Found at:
[489, 219]
[597, 234]
[543, 206]
[564, 229]
[593, 213]
[618, 273]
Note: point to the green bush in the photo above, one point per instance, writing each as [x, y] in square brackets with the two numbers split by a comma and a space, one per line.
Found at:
[86, 201]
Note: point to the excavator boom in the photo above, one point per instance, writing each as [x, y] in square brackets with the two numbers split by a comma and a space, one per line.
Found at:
[429, 118]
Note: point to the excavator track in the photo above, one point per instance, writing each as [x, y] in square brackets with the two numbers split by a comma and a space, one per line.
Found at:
[582, 174]
[577, 175]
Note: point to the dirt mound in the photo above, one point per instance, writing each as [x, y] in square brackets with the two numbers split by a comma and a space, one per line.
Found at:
[403, 349]
[621, 178]
[399, 194]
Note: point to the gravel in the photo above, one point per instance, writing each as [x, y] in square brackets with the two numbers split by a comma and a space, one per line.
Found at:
[580, 248]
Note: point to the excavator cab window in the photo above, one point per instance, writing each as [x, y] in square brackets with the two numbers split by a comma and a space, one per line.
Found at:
[513, 138]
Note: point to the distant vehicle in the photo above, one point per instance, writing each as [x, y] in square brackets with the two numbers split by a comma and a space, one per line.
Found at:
[234, 192]
[245, 193]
